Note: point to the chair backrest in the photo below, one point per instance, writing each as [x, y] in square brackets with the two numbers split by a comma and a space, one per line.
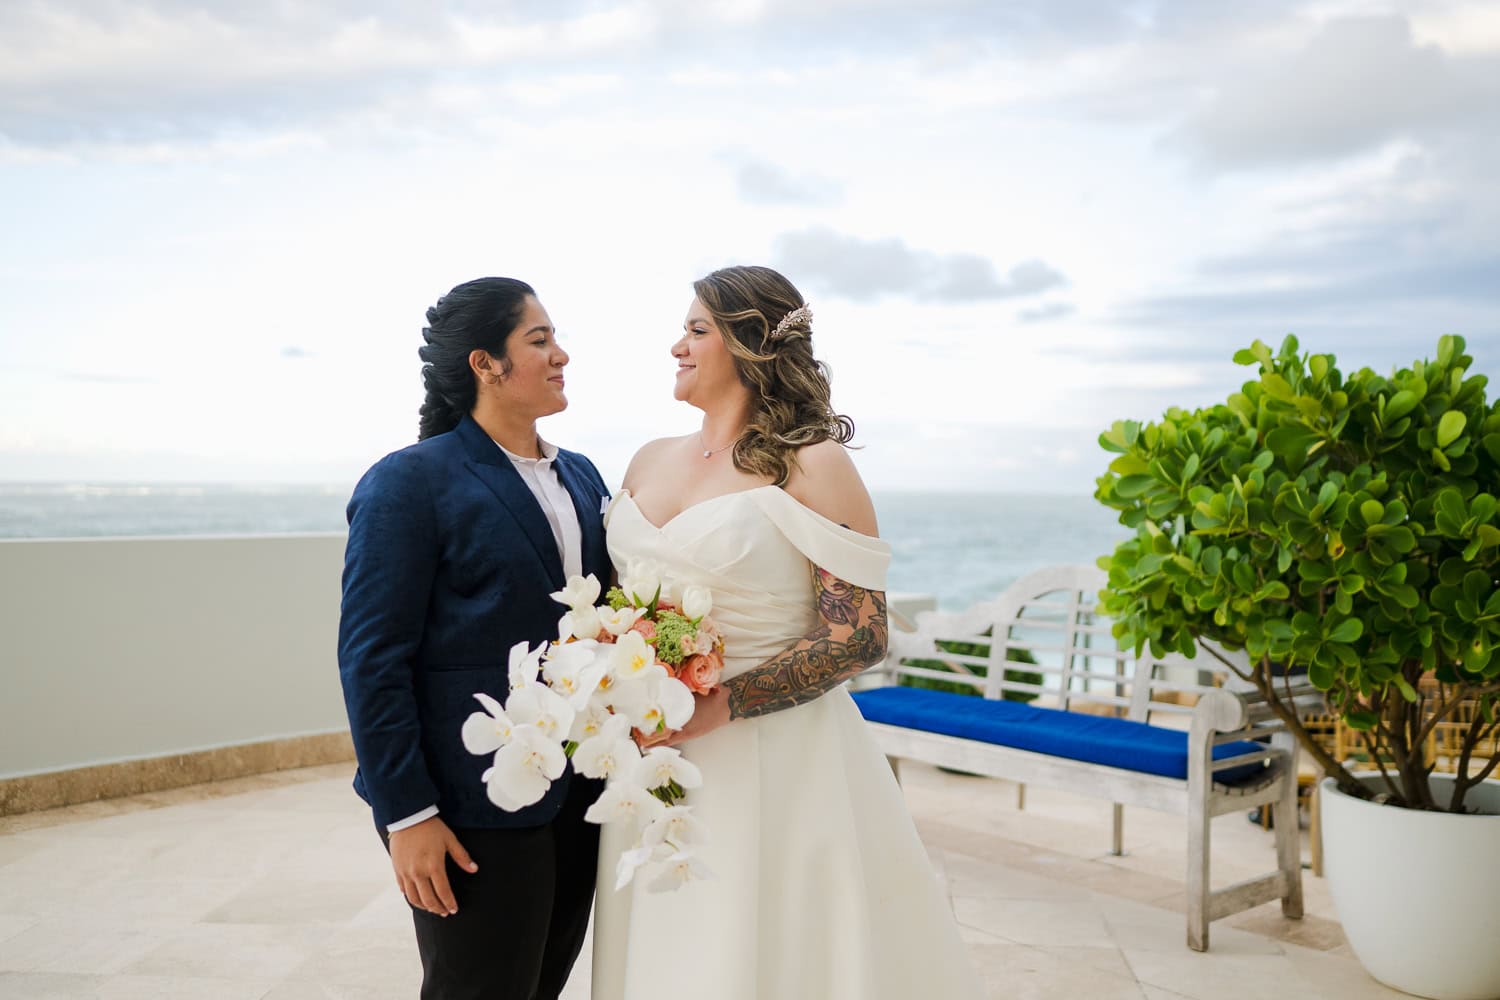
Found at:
[1049, 619]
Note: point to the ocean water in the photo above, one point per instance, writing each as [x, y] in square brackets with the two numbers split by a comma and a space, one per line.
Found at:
[958, 547]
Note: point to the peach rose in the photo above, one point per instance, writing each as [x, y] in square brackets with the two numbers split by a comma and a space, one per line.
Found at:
[709, 636]
[646, 627]
[701, 671]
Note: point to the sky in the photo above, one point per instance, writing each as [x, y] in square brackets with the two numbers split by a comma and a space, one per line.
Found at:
[1016, 220]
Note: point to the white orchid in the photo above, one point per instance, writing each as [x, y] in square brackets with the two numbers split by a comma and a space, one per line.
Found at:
[627, 802]
[662, 766]
[540, 706]
[590, 720]
[608, 753]
[574, 670]
[642, 580]
[618, 622]
[580, 592]
[524, 664]
[569, 656]
[487, 731]
[635, 659]
[697, 602]
[661, 702]
[633, 859]
[580, 623]
[677, 827]
[524, 768]
[681, 868]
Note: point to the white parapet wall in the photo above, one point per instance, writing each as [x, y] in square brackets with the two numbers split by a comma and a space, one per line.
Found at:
[123, 649]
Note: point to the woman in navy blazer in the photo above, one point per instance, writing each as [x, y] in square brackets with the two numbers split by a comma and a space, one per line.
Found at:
[455, 544]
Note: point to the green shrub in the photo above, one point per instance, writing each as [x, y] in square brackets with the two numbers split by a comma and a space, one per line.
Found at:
[977, 650]
[1341, 525]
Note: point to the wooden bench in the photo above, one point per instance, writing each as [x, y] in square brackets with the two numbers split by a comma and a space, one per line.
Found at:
[1145, 732]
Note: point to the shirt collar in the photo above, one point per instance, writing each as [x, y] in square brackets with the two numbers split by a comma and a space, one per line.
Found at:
[549, 453]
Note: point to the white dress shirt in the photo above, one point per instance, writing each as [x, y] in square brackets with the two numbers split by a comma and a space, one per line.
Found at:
[540, 478]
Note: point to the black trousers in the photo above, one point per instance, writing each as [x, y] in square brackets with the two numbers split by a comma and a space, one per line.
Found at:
[522, 917]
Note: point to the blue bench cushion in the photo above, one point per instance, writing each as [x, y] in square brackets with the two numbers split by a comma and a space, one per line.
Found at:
[1122, 743]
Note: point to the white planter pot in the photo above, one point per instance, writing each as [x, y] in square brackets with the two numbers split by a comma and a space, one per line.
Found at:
[1426, 923]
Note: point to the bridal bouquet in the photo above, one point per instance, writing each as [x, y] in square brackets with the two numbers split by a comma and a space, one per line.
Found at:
[619, 674]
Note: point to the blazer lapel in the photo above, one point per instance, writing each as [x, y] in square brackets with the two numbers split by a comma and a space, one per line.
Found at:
[586, 501]
[495, 470]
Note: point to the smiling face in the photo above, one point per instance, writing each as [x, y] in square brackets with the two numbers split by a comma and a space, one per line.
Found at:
[705, 368]
[533, 387]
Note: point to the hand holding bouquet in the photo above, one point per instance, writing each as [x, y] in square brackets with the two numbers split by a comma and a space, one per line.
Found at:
[629, 666]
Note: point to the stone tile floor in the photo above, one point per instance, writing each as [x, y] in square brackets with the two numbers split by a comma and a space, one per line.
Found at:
[275, 888]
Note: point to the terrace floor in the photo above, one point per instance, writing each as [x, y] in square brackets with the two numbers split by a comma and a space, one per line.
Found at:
[276, 888]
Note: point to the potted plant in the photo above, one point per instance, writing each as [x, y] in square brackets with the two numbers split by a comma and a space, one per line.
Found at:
[1344, 526]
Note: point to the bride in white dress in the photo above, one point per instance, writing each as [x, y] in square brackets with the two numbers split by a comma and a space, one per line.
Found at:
[821, 889]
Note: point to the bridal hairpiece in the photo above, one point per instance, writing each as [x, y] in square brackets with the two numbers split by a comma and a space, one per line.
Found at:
[800, 316]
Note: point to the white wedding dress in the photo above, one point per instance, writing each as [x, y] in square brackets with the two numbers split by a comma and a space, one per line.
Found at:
[822, 890]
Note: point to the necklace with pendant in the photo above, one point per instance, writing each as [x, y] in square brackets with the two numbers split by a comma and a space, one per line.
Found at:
[711, 452]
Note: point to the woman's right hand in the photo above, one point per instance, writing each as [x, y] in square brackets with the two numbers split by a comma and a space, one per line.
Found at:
[419, 854]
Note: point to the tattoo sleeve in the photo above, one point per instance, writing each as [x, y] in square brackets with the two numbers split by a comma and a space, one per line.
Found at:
[851, 635]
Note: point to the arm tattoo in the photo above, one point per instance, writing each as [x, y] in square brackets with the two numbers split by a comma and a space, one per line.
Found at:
[850, 636]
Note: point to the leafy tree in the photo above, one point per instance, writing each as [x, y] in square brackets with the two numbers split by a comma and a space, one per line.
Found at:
[1345, 526]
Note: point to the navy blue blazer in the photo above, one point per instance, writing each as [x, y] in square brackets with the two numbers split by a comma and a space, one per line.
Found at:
[449, 563]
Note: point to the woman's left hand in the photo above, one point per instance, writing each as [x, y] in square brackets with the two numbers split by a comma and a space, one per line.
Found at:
[710, 712]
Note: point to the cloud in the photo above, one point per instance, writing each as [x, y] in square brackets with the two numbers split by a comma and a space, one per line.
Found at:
[761, 183]
[84, 73]
[105, 379]
[1375, 267]
[294, 353]
[864, 270]
[1046, 311]
[157, 70]
[1357, 84]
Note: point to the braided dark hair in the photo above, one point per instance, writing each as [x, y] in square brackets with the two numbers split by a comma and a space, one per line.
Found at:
[476, 316]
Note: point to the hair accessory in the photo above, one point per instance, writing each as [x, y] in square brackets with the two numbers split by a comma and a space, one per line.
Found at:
[802, 315]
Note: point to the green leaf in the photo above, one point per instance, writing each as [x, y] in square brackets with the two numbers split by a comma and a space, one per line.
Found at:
[1448, 346]
[1476, 585]
[1404, 686]
[1273, 591]
[1401, 539]
[1130, 487]
[1450, 427]
[1190, 469]
[1128, 465]
[1372, 511]
[1400, 405]
[1291, 443]
[1483, 508]
[1277, 387]
[1245, 356]
[1321, 676]
[1347, 630]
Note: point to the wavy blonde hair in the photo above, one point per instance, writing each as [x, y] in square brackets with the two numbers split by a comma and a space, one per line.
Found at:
[793, 406]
